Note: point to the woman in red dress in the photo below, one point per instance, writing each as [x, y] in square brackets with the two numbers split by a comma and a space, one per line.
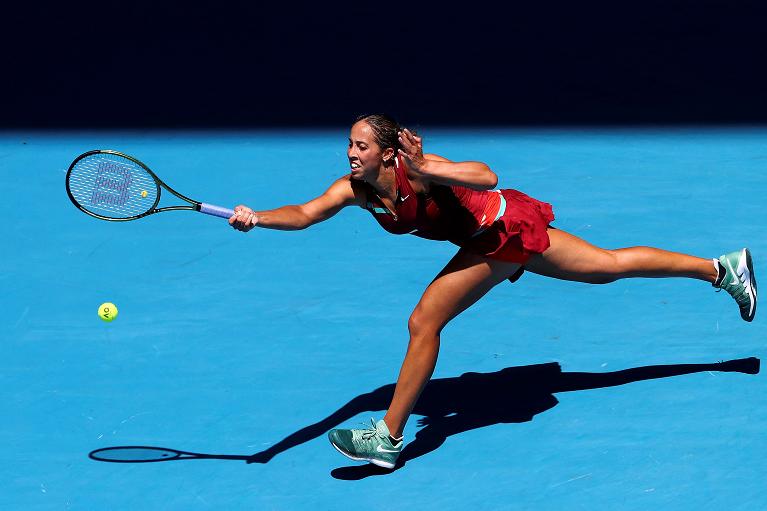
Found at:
[501, 233]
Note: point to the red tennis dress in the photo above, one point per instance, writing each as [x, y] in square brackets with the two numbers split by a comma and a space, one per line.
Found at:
[501, 224]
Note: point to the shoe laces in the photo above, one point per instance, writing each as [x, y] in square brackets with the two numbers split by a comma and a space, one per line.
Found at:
[369, 433]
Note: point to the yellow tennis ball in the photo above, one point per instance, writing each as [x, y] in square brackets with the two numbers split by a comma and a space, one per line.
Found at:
[143, 193]
[108, 311]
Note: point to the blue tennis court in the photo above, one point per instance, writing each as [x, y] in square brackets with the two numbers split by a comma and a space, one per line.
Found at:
[250, 347]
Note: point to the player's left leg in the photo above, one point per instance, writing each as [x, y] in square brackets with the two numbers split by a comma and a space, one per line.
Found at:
[571, 258]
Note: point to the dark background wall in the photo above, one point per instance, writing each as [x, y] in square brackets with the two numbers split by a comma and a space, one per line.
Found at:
[226, 64]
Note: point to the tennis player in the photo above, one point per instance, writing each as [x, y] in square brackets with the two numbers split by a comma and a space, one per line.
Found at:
[501, 233]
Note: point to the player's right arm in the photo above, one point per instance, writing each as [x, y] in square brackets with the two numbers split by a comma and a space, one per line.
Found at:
[290, 218]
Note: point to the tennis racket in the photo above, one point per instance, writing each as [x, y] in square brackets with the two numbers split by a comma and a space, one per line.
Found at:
[145, 454]
[114, 186]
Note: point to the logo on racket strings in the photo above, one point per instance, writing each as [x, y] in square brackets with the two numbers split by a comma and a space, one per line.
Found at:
[111, 186]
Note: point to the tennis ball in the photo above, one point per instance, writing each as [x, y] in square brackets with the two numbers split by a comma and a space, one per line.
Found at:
[108, 311]
[143, 193]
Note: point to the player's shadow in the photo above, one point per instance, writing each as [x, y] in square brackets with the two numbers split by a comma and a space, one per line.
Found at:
[450, 406]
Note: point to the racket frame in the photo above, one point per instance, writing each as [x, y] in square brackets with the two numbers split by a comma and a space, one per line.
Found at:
[194, 205]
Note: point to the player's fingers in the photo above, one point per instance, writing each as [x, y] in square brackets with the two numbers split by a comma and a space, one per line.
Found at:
[250, 222]
[415, 142]
[238, 220]
[406, 145]
[245, 221]
[409, 151]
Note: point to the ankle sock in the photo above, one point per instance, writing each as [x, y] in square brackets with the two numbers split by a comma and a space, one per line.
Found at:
[721, 272]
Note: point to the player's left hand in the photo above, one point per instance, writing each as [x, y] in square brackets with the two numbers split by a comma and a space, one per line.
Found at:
[412, 150]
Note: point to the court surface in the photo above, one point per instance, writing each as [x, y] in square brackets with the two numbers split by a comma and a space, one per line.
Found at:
[253, 345]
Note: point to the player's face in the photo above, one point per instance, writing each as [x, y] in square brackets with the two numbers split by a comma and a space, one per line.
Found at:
[365, 155]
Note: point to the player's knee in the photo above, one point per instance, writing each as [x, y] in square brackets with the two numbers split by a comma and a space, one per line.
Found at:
[421, 325]
[623, 263]
[610, 268]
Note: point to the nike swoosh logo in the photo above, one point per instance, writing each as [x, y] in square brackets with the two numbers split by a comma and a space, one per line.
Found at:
[405, 197]
[734, 274]
[381, 449]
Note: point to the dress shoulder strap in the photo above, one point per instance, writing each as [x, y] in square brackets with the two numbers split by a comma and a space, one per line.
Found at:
[403, 183]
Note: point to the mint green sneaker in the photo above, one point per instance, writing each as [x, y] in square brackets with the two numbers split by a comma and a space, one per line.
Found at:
[372, 444]
[739, 281]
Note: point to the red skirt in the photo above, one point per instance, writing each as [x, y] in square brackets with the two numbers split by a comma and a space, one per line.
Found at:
[518, 234]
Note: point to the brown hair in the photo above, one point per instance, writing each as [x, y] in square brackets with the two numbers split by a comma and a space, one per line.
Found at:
[385, 130]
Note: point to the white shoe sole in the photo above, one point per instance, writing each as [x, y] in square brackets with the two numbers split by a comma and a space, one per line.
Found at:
[379, 463]
[746, 268]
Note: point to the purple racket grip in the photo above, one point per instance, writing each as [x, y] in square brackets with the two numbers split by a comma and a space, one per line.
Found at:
[210, 209]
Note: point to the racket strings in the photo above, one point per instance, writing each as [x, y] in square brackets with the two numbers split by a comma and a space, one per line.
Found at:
[112, 186]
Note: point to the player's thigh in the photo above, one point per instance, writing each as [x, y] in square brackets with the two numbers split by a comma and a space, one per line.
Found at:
[572, 258]
[463, 281]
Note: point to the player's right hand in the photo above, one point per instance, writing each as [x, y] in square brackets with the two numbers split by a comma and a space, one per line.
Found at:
[244, 218]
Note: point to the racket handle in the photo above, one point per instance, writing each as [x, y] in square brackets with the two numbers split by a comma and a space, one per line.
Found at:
[210, 209]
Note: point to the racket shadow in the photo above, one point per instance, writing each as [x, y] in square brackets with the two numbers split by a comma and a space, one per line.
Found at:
[150, 454]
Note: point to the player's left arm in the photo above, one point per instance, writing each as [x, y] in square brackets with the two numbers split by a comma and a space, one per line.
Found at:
[431, 167]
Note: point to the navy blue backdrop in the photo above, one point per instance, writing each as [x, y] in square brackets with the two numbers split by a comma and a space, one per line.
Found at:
[226, 64]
